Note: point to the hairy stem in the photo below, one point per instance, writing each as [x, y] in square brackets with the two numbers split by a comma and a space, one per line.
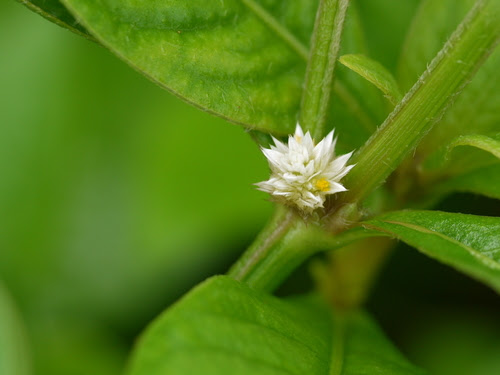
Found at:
[339, 89]
[284, 244]
[426, 102]
[273, 232]
[321, 64]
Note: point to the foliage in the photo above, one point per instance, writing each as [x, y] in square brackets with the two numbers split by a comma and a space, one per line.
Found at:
[422, 114]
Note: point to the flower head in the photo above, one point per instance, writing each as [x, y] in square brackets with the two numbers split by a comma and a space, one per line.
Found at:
[302, 173]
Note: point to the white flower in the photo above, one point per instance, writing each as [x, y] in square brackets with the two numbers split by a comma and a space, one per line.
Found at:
[302, 173]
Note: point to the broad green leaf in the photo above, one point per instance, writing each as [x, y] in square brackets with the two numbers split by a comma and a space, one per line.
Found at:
[241, 60]
[469, 243]
[56, 12]
[14, 353]
[476, 109]
[375, 73]
[225, 327]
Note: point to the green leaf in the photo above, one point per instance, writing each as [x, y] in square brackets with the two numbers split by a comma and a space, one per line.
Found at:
[476, 110]
[489, 144]
[56, 12]
[423, 106]
[469, 243]
[449, 160]
[14, 353]
[241, 60]
[375, 73]
[225, 327]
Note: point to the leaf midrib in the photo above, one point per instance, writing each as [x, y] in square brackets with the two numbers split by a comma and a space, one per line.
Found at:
[478, 255]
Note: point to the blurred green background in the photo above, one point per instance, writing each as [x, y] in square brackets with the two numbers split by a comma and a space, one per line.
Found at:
[116, 198]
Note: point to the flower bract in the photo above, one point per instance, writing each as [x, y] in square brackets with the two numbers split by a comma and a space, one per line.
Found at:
[304, 173]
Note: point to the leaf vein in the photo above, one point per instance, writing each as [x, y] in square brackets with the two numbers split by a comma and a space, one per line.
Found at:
[478, 255]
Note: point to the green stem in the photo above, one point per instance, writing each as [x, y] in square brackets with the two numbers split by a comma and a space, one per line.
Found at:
[339, 89]
[347, 276]
[285, 243]
[272, 233]
[280, 248]
[325, 47]
[426, 102]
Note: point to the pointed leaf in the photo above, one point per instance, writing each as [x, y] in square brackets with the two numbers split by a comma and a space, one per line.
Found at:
[375, 73]
[463, 160]
[224, 327]
[56, 12]
[489, 144]
[469, 243]
[423, 106]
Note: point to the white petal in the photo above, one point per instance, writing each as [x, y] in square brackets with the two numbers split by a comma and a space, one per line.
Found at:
[335, 187]
[308, 143]
[272, 156]
[294, 146]
[265, 186]
[298, 131]
[345, 171]
[280, 146]
[339, 162]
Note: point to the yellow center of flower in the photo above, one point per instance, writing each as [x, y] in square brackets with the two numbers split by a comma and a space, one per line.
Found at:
[322, 184]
